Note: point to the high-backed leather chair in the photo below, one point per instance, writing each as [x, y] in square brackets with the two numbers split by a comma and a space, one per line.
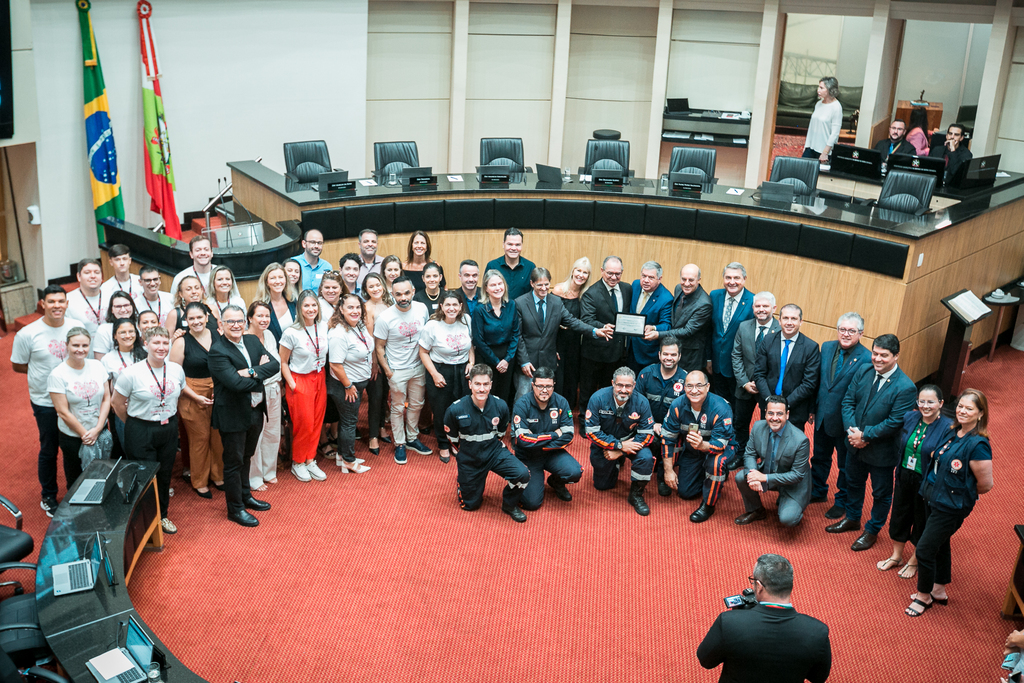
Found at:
[906, 192]
[305, 161]
[801, 173]
[607, 154]
[502, 152]
[392, 157]
[699, 160]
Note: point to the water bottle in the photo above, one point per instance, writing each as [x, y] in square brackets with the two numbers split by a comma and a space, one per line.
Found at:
[566, 175]
[392, 180]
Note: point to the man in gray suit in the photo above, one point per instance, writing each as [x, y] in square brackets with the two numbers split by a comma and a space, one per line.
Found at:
[691, 320]
[873, 411]
[750, 336]
[775, 460]
[540, 316]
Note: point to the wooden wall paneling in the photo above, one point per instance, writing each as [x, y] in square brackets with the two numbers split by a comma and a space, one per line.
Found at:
[920, 352]
[968, 238]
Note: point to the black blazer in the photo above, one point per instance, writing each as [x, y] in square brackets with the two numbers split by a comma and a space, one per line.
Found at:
[232, 408]
[691, 325]
[767, 645]
[800, 385]
[596, 310]
[536, 345]
[879, 416]
[903, 148]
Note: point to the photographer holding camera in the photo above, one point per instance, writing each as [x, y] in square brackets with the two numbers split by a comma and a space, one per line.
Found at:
[769, 641]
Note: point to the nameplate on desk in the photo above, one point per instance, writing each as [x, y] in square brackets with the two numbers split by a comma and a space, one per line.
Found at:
[607, 181]
[341, 186]
[420, 181]
[494, 178]
[692, 188]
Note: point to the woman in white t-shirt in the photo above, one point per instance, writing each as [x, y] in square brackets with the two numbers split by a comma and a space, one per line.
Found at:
[446, 349]
[303, 358]
[81, 397]
[129, 351]
[826, 121]
[146, 399]
[263, 469]
[331, 289]
[225, 292]
[352, 366]
[378, 299]
[121, 306]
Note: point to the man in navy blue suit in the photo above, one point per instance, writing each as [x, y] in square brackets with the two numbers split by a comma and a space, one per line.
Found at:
[841, 361]
[730, 306]
[651, 300]
[873, 410]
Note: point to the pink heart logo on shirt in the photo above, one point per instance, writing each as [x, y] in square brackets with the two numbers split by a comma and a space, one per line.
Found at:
[169, 388]
[58, 348]
[85, 390]
[408, 330]
[456, 342]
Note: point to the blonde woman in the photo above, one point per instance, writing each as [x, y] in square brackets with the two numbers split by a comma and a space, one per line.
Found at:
[273, 289]
[303, 358]
[224, 291]
[391, 269]
[495, 326]
[378, 300]
[567, 375]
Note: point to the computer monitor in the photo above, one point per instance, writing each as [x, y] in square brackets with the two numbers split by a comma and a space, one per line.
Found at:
[857, 161]
[933, 166]
[678, 105]
[978, 172]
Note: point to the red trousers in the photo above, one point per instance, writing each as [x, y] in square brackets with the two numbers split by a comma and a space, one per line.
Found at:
[306, 406]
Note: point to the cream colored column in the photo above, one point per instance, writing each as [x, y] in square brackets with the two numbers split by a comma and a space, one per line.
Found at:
[766, 93]
[663, 43]
[457, 115]
[879, 72]
[559, 82]
[993, 80]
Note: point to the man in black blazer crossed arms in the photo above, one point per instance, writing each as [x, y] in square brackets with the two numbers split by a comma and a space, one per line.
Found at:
[788, 366]
[772, 642]
[239, 365]
[873, 411]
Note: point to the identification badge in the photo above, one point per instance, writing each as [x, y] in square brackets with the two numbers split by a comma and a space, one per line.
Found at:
[911, 463]
[164, 421]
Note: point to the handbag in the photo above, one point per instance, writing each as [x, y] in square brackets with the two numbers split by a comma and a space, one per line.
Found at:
[97, 451]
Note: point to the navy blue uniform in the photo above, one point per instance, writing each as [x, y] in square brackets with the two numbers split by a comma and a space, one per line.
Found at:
[660, 393]
[475, 437]
[608, 425]
[700, 472]
[540, 436]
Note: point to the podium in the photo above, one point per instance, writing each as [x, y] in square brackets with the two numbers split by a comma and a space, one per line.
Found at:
[965, 309]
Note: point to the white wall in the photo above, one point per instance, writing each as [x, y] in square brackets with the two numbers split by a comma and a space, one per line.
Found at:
[815, 37]
[713, 58]
[853, 50]
[238, 81]
[1010, 141]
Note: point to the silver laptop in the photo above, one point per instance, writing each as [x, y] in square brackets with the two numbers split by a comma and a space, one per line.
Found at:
[126, 664]
[93, 491]
[80, 575]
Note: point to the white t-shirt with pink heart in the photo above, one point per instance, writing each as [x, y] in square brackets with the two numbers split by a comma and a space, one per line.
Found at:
[83, 390]
[42, 348]
[448, 344]
[152, 393]
[308, 348]
[400, 332]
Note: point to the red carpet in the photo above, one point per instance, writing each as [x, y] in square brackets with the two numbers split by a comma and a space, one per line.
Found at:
[381, 577]
[786, 146]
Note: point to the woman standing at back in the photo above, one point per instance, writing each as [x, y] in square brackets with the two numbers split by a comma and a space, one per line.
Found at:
[826, 121]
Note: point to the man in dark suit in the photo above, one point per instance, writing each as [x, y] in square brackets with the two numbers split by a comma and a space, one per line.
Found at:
[730, 306]
[772, 642]
[776, 459]
[540, 316]
[788, 365]
[841, 361]
[239, 365]
[750, 336]
[598, 307]
[896, 143]
[873, 410]
[691, 320]
[651, 300]
[954, 151]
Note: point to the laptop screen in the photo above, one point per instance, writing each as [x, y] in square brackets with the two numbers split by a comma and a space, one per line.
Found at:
[138, 644]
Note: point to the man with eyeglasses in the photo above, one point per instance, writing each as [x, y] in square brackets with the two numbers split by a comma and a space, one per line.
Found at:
[841, 361]
[598, 307]
[620, 427]
[542, 427]
[153, 299]
[699, 427]
[954, 151]
[239, 364]
[896, 143]
[313, 267]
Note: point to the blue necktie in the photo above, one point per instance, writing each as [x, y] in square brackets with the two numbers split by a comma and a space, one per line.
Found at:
[782, 369]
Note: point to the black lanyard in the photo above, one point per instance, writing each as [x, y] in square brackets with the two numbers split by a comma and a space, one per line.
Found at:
[159, 306]
[99, 304]
[162, 385]
[316, 345]
[118, 282]
[124, 365]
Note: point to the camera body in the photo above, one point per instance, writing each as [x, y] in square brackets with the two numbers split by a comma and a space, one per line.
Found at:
[744, 600]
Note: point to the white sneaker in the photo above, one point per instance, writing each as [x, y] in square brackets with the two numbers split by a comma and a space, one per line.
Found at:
[314, 471]
[168, 526]
[300, 471]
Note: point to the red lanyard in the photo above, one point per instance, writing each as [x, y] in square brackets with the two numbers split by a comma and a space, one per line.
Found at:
[118, 283]
[316, 345]
[162, 385]
[362, 339]
[124, 365]
[99, 304]
[159, 307]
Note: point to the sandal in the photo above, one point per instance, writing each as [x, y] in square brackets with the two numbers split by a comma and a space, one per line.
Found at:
[887, 564]
[261, 487]
[925, 606]
[272, 481]
[908, 571]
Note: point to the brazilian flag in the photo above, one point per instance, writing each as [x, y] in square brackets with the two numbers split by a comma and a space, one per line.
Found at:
[106, 182]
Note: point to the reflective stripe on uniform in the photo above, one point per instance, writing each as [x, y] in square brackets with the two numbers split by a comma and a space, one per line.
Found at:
[480, 437]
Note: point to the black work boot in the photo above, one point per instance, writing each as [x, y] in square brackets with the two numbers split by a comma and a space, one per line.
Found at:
[636, 497]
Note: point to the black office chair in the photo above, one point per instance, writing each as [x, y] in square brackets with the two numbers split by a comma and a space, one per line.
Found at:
[699, 160]
[392, 157]
[907, 192]
[305, 161]
[607, 154]
[503, 152]
[801, 173]
[9, 673]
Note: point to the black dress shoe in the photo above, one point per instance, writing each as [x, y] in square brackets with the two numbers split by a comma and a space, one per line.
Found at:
[204, 494]
[384, 439]
[818, 499]
[219, 487]
[561, 492]
[835, 512]
[843, 525]
[375, 451]
[747, 518]
[866, 540]
[703, 513]
[243, 518]
[663, 490]
[253, 504]
[514, 512]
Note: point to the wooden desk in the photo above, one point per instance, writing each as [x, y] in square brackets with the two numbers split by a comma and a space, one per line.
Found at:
[1013, 606]
[934, 109]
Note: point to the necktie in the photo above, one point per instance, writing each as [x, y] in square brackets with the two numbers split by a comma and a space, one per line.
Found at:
[759, 343]
[540, 312]
[837, 362]
[770, 464]
[728, 313]
[782, 368]
[877, 383]
[641, 302]
[615, 299]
